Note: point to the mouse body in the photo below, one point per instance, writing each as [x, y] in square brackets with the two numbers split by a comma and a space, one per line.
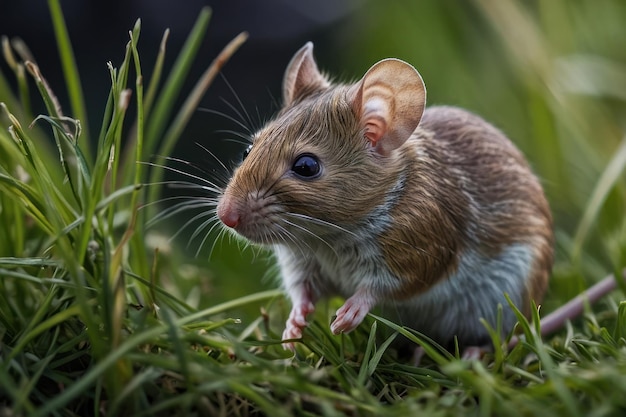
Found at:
[432, 214]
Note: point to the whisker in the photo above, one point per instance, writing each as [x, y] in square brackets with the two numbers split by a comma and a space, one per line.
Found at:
[237, 141]
[199, 229]
[235, 133]
[223, 176]
[261, 121]
[182, 172]
[205, 149]
[237, 112]
[163, 200]
[344, 230]
[285, 233]
[304, 229]
[273, 100]
[270, 189]
[188, 223]
[243, 108]
[321, 222]
[177, 209]
[220, 236]
[214, 223]
[179, 197]
[227, 117]
[186, 185]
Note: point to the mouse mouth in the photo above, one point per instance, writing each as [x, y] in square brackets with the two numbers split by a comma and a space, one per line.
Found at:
[261, 233]
[279, 227]
[262, 219]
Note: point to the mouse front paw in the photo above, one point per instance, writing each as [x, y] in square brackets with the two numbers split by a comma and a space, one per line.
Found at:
[291, 332]
[296, 323]
[352, 313]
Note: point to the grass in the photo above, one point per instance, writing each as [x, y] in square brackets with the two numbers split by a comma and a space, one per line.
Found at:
[92, 320]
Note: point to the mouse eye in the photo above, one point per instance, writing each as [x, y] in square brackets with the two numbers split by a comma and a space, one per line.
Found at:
[246, 152]
[307, 166]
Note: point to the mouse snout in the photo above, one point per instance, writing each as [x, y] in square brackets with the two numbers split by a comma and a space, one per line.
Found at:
[228, 213]
[251, 215]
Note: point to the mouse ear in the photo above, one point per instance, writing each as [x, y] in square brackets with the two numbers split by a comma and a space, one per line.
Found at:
[302, 76]
[390, 101]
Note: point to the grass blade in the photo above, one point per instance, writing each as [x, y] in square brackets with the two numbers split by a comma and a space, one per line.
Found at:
[174, 82]
[70, 70]
[432, 349]
[371, 346]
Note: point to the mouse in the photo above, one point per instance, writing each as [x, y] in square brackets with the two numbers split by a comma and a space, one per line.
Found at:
[362, 192]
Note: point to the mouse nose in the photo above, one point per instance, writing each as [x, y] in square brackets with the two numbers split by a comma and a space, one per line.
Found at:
[228, 214]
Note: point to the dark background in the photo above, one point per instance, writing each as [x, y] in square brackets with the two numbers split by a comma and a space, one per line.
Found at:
[99, 32]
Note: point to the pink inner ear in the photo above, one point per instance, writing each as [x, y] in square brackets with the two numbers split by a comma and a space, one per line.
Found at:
[375, 129]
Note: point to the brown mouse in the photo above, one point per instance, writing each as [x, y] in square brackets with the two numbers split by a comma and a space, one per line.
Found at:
[363, 193]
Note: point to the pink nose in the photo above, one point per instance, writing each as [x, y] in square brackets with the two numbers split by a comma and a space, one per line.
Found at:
[228, 214]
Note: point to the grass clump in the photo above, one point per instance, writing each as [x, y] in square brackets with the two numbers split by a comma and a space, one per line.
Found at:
[88, 327]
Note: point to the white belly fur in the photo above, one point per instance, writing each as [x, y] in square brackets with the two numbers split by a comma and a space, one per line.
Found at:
[455, 305]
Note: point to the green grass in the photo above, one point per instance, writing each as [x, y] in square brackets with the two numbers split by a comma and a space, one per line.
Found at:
[95, 321]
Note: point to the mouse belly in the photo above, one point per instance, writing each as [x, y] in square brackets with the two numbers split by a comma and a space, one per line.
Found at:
[455, 305]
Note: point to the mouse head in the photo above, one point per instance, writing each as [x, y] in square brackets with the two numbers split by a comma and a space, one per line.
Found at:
[330, 155]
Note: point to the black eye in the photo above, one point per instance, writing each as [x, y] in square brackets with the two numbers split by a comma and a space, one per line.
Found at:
[307, 166]
[246, 152]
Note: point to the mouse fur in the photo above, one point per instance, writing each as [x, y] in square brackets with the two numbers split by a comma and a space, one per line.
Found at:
[432, 214]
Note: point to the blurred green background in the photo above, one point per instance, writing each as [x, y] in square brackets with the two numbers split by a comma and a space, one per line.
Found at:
[551, 74]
